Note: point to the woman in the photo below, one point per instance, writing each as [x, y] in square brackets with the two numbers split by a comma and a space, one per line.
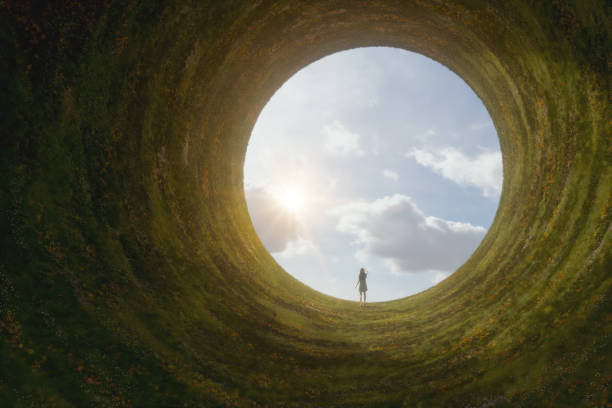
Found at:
[363, 286]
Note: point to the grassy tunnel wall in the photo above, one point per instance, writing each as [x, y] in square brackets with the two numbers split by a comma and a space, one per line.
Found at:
[130, 273]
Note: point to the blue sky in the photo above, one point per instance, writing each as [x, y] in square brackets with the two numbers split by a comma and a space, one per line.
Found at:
[375, 157]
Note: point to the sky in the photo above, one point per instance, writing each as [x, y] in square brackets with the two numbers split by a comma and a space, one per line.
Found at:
[373, 157]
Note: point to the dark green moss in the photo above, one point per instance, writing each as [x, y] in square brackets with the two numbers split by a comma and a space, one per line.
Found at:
[130, 274]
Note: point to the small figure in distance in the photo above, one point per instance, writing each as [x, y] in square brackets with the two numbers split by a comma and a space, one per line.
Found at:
[363, 286]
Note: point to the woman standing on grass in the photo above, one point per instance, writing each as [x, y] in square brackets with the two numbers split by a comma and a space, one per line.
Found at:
[363, 286]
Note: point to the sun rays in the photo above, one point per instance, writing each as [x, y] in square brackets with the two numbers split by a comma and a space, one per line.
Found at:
[291, 201]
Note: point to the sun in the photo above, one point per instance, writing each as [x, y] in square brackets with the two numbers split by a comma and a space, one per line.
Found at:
[291, 200]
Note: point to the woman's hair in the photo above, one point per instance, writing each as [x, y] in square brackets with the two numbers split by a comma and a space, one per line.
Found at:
[361, 272]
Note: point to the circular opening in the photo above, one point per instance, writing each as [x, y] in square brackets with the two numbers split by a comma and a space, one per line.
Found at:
[375, 157]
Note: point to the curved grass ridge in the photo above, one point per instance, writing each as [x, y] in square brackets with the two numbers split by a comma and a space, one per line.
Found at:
[130, 274]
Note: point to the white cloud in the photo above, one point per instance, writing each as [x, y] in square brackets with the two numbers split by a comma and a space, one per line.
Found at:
[425, 136]
[439, 277]
[484, 171]
[296, 247]
[341, 141]
[390, 174]
[395, 229]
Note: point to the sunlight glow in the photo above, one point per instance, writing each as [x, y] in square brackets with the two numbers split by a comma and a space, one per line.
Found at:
[291, 201]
